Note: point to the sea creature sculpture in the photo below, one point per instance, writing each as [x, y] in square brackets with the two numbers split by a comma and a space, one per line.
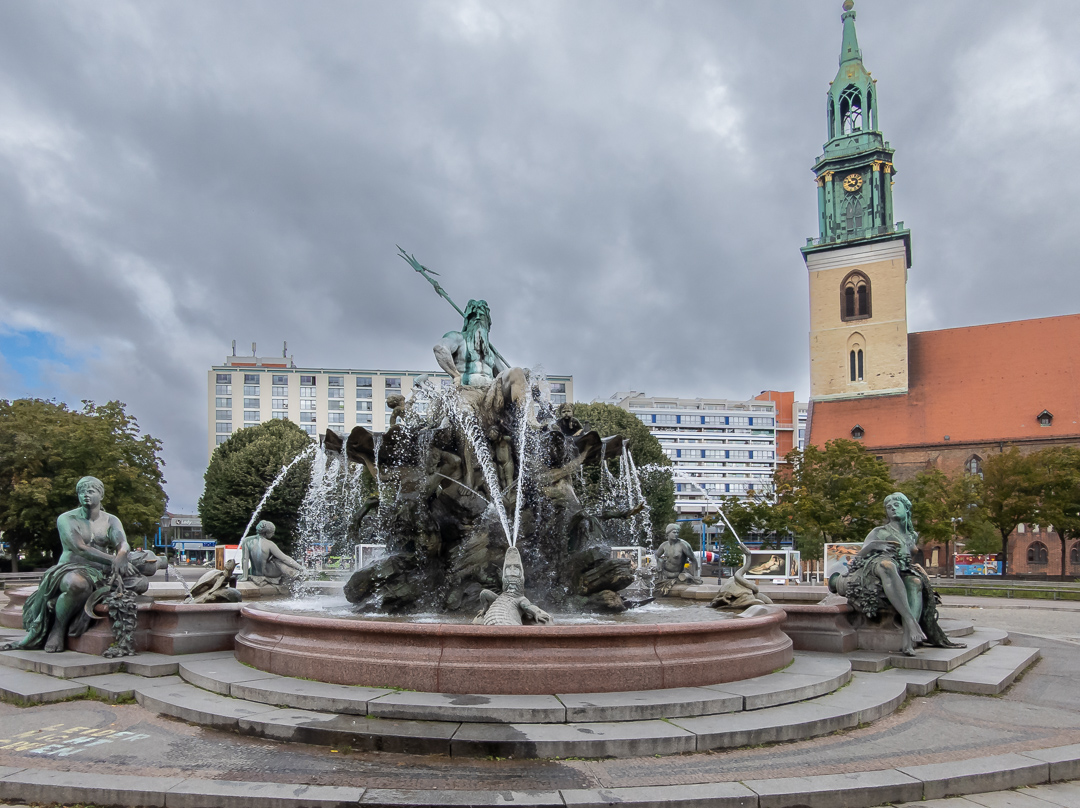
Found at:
[510, 607]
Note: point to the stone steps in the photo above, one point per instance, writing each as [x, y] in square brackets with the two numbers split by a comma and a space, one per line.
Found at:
[816, 695]
[865, 699]
[807, 677]
[73, 665]
[991, 673]
[977, 640]
[1037, 775]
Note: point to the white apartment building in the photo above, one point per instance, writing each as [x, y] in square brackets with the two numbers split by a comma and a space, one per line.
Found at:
[245, 391]
[728, 448]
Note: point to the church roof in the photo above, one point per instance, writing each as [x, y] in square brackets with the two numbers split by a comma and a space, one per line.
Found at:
[975, 384]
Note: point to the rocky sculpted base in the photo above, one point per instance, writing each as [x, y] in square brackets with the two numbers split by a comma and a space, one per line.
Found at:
[514, 660]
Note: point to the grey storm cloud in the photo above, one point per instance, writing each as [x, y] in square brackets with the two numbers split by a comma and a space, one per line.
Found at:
[627, 184]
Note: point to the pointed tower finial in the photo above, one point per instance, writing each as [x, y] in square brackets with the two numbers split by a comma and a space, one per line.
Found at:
[849, 48]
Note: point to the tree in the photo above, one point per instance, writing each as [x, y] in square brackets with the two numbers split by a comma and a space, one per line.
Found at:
[943, 508]
[242, 469]
[45, 448]
[687, 534]
[1058, 470]
[931, 508]
[835, 494]
[1010, 494]
[653, 465]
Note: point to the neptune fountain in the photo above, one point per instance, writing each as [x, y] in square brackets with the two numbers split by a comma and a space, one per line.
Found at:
[471, 469]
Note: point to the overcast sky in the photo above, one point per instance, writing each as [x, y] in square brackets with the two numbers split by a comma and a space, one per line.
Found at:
[627, 183]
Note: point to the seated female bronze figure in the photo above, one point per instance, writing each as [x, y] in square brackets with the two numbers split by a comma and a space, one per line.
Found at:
[883, 574]
[95, 551]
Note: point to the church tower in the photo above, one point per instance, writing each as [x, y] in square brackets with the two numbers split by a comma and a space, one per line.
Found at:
[858, 263]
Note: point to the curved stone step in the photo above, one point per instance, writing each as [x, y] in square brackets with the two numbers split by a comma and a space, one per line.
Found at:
[867, 698]
[807, 677]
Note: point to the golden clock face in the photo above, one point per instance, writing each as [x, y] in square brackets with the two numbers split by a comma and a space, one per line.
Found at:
[853, 182]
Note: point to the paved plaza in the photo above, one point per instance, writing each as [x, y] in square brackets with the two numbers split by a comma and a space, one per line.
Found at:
[86, 742]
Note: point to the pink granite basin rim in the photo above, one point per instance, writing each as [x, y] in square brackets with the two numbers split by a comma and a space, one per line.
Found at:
[525, 660]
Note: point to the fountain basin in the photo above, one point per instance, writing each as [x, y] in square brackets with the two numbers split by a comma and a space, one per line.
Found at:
[513, 660]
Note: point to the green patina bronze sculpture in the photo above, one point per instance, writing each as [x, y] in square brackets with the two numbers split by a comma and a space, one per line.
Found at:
[883, 574]
[672, 556]
[488, 385]
[263, 562]
[479, 461]
[510, 607]
[215, 586]
[96, 565]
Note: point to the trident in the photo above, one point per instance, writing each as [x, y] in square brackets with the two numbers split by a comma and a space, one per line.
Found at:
[427, 273]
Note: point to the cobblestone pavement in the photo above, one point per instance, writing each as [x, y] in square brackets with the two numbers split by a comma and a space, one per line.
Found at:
[1040, 710]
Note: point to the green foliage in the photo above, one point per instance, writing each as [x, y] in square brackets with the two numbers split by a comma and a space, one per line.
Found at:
[1010, 494]
[835, 494]
[757, 518]
[45, 448]
[687, 534]
[608, 419]
[1058, 473]
[980, 537]
[653, 464]
[932, 511]
[240, 471]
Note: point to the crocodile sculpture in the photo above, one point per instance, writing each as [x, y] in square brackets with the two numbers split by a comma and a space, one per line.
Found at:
[511, 607]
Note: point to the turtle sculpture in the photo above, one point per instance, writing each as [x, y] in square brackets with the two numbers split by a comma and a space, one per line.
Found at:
[213, 587]
[511, 607]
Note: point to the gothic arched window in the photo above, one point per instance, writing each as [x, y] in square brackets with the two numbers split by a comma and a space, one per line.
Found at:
[974, 465]
[855, 297]
[851, 110]
[1037, 553]
[853, 213]
[870, 122]
[855, 363]
[1074, 554]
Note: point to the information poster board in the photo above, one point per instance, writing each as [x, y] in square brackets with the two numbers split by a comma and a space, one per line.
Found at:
[969, 564]
[838, 557]
[784, 564]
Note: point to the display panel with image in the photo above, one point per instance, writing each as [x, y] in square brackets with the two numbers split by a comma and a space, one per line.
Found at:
[774, 564]
[838, 557]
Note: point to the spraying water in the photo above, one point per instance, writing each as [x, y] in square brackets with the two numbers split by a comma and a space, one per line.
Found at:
[330, 503]
[469, 426]
[308, 452]
[522, 439]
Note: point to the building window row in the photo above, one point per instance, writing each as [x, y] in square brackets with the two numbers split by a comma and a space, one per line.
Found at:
[723, 454]
[708, 420]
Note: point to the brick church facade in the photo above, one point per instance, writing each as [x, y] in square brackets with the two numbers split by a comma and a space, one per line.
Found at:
[935, 399]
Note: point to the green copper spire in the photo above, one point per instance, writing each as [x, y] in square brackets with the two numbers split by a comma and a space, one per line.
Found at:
[849, 48]
[855, 171]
